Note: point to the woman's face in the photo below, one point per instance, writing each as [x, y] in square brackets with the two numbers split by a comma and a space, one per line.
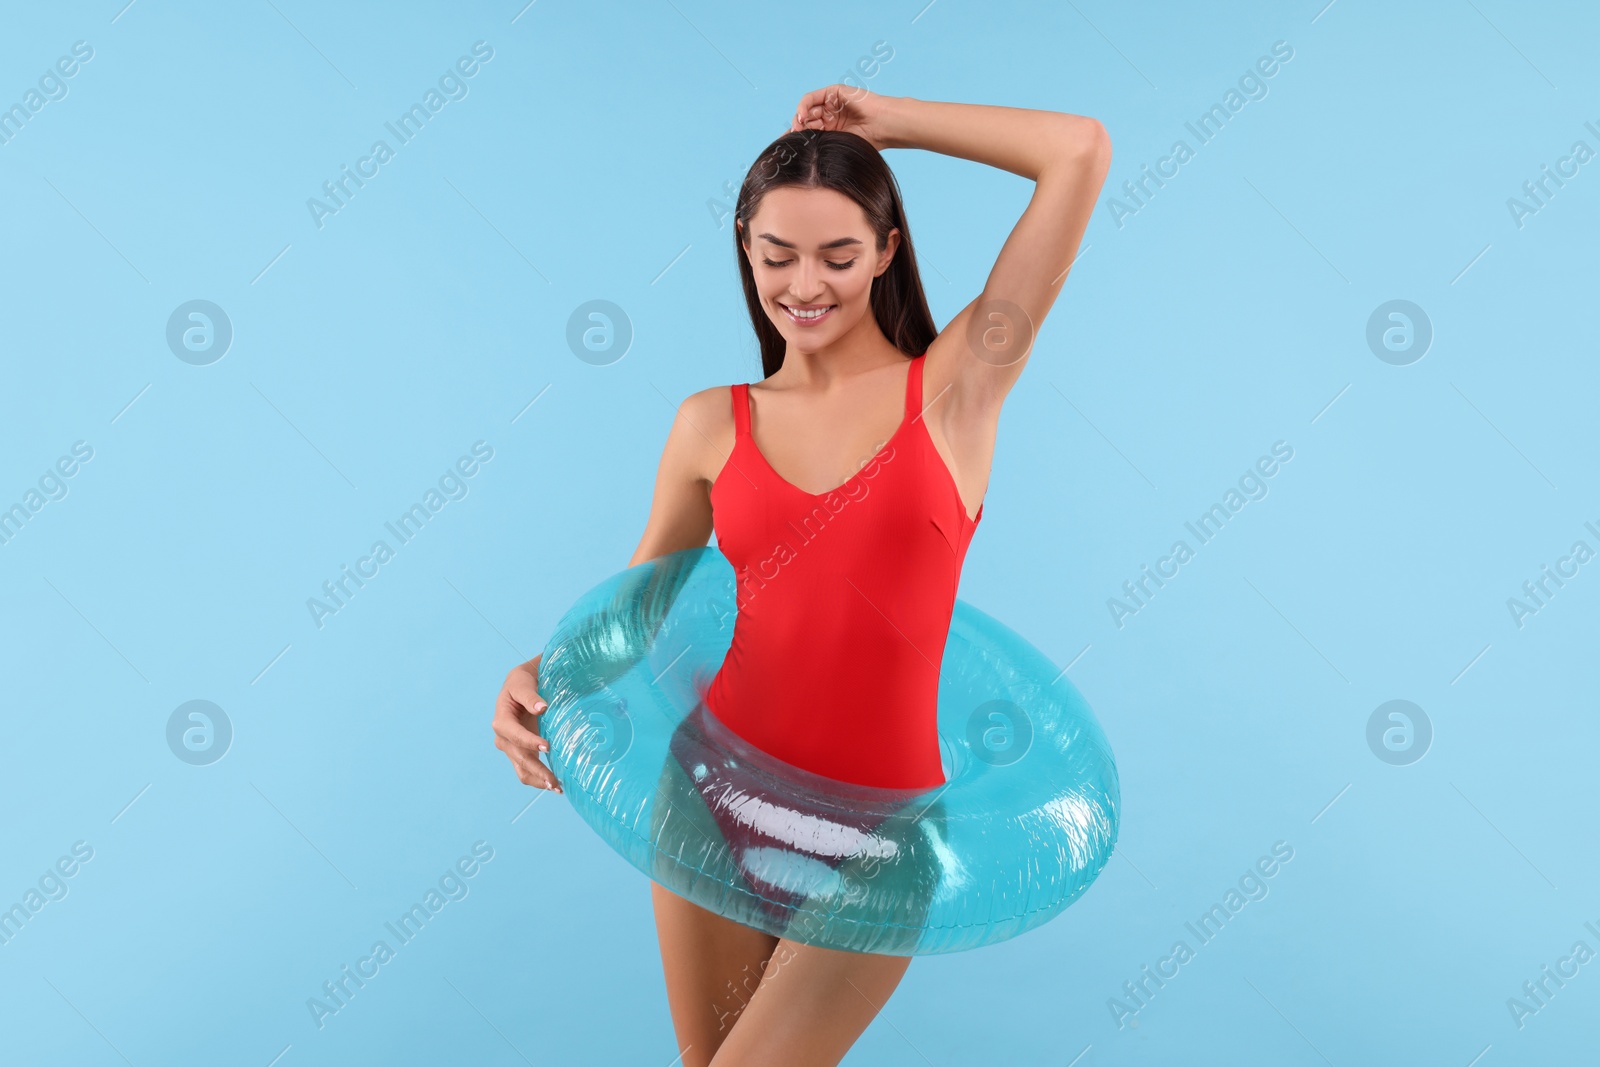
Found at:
[814, 257]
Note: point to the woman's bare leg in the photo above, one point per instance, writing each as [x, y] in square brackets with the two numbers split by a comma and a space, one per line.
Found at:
[713, 967]
[811, 1006]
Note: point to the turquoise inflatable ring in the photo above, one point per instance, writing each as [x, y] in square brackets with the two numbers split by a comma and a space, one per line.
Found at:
[1025, 821]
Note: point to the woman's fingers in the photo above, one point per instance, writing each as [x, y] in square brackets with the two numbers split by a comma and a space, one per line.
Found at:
[512, 732]
[834, 107]
[816, 107]
[511, 723]
[811, 99]
[516, 713]
[522, 685]
[532, 772]
[522, 746]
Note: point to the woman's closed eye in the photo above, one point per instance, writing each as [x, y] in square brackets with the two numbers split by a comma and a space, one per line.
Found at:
[785, 262]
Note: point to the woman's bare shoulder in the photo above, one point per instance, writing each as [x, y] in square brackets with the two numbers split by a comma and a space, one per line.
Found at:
[711, 403]
[703, 432]
[710, 412]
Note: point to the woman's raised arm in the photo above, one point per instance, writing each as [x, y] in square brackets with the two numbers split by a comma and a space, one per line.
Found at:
[980, 354]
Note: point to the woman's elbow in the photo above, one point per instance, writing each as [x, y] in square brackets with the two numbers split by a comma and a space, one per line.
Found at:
[1087, 140]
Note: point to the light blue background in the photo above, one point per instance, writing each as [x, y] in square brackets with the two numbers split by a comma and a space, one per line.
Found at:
[585, 163]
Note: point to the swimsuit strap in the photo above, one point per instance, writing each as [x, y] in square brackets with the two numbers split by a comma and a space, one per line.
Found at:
[741, 410]
[914, 387]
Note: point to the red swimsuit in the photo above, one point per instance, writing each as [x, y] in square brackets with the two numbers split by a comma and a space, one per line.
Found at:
[844, 605]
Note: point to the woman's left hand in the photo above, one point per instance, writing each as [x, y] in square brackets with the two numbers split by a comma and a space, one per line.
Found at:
[850, 108]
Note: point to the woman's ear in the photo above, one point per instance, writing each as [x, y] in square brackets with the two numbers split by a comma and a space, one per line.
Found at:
[890, 245]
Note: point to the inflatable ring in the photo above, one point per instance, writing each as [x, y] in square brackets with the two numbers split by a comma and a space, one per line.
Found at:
[1025, 821]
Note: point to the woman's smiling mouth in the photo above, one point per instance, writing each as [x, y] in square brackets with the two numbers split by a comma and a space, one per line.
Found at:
[807, 314]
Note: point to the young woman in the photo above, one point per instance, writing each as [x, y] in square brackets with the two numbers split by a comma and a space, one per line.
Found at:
[864, 405]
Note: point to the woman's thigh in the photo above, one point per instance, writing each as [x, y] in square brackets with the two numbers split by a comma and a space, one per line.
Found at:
[811, 1006]
[713, 967]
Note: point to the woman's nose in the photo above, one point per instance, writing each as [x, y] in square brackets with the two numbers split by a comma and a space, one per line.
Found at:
[807, 285]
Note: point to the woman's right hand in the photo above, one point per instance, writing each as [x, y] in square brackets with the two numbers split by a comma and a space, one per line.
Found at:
[851, 108]
[516, 725]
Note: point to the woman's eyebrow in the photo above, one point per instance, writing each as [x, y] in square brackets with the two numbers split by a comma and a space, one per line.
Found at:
[839, 243]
